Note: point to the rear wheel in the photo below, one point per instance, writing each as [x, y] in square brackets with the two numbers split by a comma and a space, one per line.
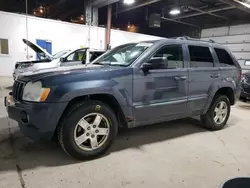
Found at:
[218, 113]
[88, 130]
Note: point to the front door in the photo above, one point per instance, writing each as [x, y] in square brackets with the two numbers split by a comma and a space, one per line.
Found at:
[161, 93]
[76, 58]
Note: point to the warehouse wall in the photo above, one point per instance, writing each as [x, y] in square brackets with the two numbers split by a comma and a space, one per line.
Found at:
[237, 38]
[63, 35]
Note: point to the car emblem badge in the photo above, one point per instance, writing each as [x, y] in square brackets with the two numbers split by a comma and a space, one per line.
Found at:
[98, 107]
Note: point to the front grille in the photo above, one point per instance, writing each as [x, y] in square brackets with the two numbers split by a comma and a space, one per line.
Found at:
[17, 90]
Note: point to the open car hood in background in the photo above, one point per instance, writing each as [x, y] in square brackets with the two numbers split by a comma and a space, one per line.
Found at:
[37, 48]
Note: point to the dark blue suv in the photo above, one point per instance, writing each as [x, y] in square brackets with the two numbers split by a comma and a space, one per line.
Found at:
[132, 85]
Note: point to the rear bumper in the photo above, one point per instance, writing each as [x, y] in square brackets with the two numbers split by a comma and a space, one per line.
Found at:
[245, 95]
[37, 121]
[245, 91]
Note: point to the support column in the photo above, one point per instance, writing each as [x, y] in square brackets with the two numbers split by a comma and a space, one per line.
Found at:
[108, 29]
[95, 17]
[91, 15]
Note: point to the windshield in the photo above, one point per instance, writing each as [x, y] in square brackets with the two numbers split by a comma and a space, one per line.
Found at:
[123, 55]
[60, 54]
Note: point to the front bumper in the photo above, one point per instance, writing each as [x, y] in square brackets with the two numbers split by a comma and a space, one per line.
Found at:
[37, 121]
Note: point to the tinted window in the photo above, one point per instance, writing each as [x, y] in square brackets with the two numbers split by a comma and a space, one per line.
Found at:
[171, 55]
[94, 55]
[224, 57]
[200, 56]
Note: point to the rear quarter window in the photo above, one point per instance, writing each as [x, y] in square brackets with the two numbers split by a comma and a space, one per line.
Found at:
[224, 58]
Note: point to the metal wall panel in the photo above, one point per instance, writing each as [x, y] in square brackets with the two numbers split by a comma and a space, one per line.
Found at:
[236, 38]
[240, 29]
[221, 31]
[241, 47]
[242, 55]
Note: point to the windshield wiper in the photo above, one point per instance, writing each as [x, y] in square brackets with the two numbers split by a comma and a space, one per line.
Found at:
[98, 63]
[110, 64]
[117, 64]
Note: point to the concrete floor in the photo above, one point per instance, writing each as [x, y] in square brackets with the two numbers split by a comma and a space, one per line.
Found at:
[176, 154]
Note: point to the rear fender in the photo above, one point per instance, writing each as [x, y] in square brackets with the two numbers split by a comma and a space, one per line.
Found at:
[214, 89]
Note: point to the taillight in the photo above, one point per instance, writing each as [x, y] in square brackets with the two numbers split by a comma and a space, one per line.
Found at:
[240, 75]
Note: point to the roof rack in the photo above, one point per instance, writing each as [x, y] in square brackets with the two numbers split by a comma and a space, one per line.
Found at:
[194, 39]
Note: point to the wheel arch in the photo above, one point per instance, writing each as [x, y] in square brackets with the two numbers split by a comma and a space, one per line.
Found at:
[106, 98]
[225, 90]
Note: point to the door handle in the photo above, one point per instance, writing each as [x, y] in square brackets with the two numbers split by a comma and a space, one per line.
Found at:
[179, 78]
[215, 75]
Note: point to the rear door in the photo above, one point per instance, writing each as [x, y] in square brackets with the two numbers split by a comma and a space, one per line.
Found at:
[204, 73]
[227, 65]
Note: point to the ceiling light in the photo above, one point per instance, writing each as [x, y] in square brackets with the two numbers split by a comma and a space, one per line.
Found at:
[128, 2]
[175, 11]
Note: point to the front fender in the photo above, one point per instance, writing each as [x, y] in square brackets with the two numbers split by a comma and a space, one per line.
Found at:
[67, 92]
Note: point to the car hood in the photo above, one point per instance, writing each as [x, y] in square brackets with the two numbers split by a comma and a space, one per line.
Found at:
[51, 72]
[37, 48]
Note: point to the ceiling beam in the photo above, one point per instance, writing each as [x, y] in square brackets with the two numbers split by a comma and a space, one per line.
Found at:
[207, 12]
[202, 13]
[137, 6]
[238, 4]
[180, 22]
[102, 3]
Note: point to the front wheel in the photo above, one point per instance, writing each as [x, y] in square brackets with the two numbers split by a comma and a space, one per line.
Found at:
[218, 113]
[88, 130]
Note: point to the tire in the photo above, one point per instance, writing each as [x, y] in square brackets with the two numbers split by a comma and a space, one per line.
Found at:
[69, 130]
[208, 119]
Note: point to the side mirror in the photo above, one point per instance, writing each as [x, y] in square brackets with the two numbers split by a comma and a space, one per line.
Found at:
[154, 63]
[62, 59]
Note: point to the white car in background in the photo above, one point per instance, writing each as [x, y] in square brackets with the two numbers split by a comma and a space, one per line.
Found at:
[62, 58]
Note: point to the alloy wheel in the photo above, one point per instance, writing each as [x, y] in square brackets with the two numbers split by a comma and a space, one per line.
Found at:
[92, 131]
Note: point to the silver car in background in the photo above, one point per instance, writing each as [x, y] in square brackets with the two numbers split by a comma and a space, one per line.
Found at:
[62, 58]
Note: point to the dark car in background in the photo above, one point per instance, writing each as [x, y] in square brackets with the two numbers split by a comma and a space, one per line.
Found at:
[245, 86]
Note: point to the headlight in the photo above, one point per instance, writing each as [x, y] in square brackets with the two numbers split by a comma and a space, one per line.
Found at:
[35, 92]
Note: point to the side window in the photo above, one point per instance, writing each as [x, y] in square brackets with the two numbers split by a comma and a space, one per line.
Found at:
[4, 46]
[76, 56]
[93, 56]
[224, 58]
[170, 57]
[200, 57]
